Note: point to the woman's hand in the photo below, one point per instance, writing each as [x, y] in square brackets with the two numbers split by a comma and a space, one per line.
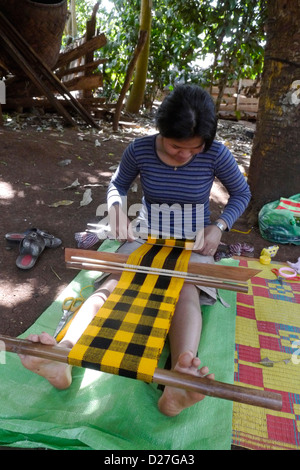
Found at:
[120, 224]
[208, 240]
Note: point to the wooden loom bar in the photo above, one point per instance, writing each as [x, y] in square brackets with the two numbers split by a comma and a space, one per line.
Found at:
[148, 269]
[224, 277]
[232, 273]
[205, 386]
[190, 279]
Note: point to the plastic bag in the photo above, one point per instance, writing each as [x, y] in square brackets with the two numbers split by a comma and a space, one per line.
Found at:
[279, 221]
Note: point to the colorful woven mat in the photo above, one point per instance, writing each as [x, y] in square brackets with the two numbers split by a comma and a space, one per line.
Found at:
[268, 358]
[128, 333]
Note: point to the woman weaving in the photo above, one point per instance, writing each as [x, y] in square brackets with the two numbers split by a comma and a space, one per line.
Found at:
[177, 167]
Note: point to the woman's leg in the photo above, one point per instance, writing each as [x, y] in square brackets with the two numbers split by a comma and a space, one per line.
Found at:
[184, 338]
[89, 309]
[59, 374]
[186, 326]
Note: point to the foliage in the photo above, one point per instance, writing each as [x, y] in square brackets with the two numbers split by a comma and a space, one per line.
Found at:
[184, 33]
[231, 30]
[121, 28]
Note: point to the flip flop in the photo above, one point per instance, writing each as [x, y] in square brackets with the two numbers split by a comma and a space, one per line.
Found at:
[50, 240]
[15, 238]
[32, 245]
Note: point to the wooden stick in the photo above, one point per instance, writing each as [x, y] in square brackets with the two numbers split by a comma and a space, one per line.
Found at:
[213, 388]
[230, 273]
[225, 286]
[189, 278]
[30, 72]
[25, 56]
[81, 68]
[234, 273]
[93, 44]
[147, 269]
[138, 49]
[203, 385]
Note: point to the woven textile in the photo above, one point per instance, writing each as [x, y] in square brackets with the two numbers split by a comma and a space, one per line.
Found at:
[289, 204]
[267, 358]
[128, 333]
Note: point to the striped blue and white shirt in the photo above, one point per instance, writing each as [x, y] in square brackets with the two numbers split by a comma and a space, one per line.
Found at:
[184, 188]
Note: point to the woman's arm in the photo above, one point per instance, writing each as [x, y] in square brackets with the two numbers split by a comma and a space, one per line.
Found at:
[118, 187]
[229, 174]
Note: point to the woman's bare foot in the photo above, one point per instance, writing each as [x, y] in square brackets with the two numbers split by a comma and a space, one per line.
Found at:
[174, 400]
[58, 374]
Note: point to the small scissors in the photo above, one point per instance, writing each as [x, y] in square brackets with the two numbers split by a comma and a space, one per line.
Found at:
[284, 274]
[279, 278]
[70, 306]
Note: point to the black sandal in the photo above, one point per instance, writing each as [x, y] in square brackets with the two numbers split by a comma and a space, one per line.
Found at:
[32, 245]
[51, 241]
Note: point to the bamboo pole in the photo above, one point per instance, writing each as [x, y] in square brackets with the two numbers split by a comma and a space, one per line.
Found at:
[209, 275]
[228, 273]
[203, 385]
[189, 278]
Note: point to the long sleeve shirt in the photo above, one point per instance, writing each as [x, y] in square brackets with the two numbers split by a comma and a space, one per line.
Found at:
[187, 186]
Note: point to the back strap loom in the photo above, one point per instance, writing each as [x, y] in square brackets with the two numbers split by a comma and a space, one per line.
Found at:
[128, 333]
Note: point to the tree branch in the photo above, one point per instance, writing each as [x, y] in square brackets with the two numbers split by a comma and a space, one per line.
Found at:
[138, 49]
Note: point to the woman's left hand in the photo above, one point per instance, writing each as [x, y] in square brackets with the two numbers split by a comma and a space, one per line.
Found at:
[208, 240]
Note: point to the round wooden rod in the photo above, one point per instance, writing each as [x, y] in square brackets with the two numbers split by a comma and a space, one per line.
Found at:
[205, 386]
[189, 280]
[145, 269]
[26, 347]
[213, 388]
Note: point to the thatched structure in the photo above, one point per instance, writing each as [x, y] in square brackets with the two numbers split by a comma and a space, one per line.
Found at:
[41, 23]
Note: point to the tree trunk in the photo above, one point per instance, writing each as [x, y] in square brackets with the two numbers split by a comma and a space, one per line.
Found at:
[71, 25]
[139, 47]
[136, 96]
[275, 162]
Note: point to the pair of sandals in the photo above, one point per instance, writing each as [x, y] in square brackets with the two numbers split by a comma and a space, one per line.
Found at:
[31, 244]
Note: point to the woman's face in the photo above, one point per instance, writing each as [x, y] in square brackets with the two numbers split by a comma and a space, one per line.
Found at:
[181, 151]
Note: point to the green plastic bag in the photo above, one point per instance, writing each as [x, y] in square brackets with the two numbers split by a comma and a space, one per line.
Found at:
[279, 221]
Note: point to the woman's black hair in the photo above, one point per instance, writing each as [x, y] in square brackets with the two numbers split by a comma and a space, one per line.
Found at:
[188, 111]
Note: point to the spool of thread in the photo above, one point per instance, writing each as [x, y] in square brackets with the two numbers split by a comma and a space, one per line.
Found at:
[264, 259]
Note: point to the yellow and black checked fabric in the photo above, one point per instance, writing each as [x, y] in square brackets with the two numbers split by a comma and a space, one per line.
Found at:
[128, 333]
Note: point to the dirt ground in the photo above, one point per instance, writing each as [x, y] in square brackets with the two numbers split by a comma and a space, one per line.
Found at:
[39, 158]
